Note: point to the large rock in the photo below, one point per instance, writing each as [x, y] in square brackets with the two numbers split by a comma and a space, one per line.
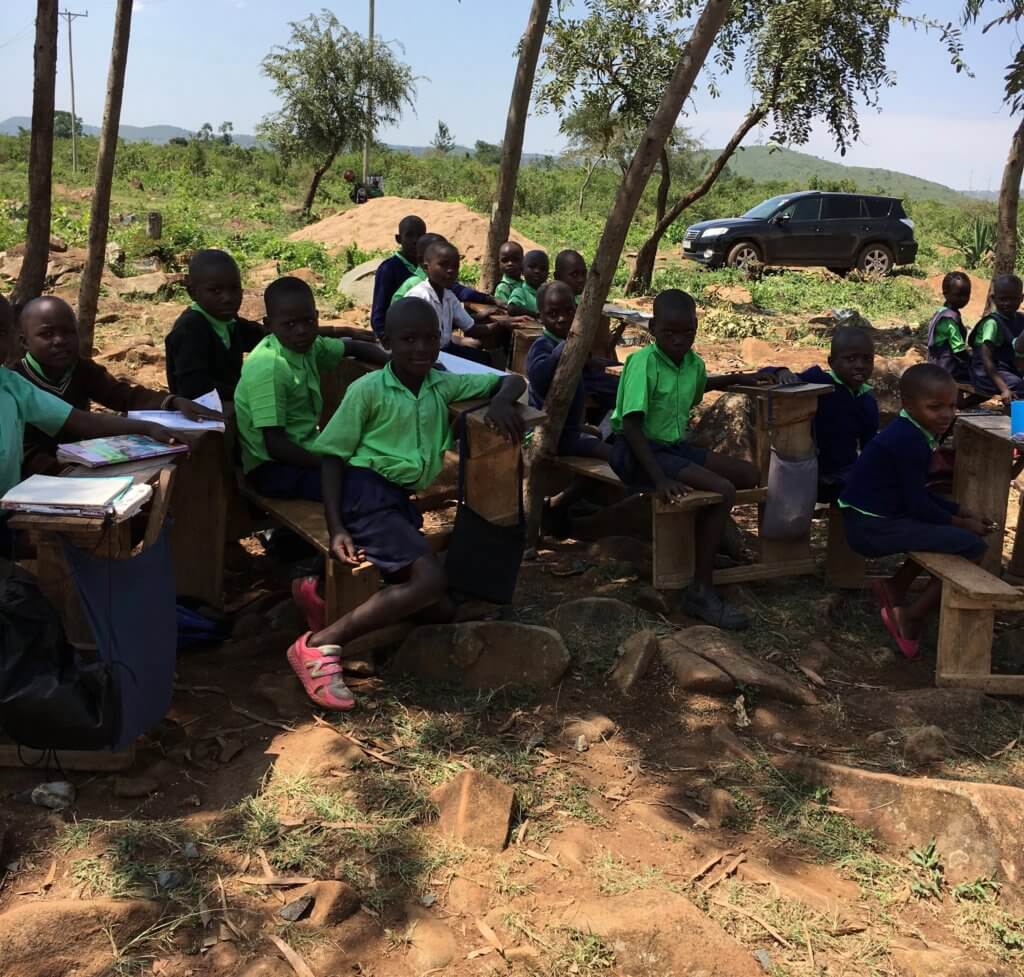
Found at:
[692, 672]
[635, 656]
[66, 937]
[976, 827]
[357, 284]
[484, 654]
[658, 932]
[153, 285]
[475, 808]
[729, 655]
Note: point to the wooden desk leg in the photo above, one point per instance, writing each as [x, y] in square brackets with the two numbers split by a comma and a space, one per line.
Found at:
[345, 588]
[492, 483]
[844, 568]
[981, 483]
[674, 552]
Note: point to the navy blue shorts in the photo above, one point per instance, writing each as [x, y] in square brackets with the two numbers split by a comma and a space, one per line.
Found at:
[382, 520]
[276, 480]
[878, 536]
[671, 458]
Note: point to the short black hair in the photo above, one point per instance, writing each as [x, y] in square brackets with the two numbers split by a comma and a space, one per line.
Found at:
[952, 278]
[846, 336]
[286, 287]
[435, 246]
[674, 302]
[1009, 281]
[203, 261]
[921, 377]
[552, 285]
[567, 255]
[408, 312]
[534, 256]
[424, 242]
[409, 222]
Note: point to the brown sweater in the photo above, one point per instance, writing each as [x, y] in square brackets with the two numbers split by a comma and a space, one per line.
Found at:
[88, 382]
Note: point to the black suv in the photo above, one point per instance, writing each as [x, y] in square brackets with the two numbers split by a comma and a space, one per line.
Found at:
[838, 230]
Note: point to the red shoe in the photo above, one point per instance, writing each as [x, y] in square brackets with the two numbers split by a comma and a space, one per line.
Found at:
[304, 593]
[319, 670]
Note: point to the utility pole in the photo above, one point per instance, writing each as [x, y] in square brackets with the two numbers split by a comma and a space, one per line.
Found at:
[369, 106]
[69, 16]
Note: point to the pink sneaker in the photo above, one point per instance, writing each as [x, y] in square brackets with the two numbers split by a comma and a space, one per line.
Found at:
[319, 671]
[305, 594]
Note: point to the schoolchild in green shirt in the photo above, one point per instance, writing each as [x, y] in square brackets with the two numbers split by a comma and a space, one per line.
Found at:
[510, 260]
[523, 300]
[386, 441]
[661, 383]
[278, 400]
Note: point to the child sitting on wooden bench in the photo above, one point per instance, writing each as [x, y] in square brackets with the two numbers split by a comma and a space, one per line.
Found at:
[661, 383]
[49, 338]
[386, 441]
[888, 509]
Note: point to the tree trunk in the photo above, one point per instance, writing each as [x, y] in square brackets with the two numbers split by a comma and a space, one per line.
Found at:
[314, 184]
[40, 157]
[99, 219]
[643, 270]
[609, 249]
[664, 185]
[586, 183]
[1005, 258]
[512, 146]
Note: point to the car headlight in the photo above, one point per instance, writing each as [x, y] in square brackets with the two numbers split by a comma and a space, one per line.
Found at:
[713, 232]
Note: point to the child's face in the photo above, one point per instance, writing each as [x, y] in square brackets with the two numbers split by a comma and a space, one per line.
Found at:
[574, 274]
[958, 294]
[295, 322]
[934, 408]
[414, 348]
[535, 272]
[510, 257]
[218, 289]
[674, 335]
[1007, 298]
[557, 312]
[853, 364]
[49, 332]
[442, 267]
[408, 239]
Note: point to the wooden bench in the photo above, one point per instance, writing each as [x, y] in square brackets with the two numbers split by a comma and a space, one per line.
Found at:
[970, 598]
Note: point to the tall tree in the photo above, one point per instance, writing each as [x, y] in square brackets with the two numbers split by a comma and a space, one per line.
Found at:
[40, 155]
[99, 218]
[512, 144]
[599, 277]
[322, 77]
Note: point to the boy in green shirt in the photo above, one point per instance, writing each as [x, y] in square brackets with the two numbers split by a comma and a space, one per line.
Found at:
[523, 300]
[278, 400]
[661, 384]
[386, 441]
[510, 260]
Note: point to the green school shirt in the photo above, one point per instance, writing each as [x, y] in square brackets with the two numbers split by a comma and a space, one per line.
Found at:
[947, 331]
[222, 327]
[21, 403]
[281, 388]
[382, 425]
[504, 289]
[418, 275]
[664, 393]
[988, 331]
[524, 295]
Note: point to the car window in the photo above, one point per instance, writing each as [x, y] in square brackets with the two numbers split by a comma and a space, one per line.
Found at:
[877, 206]
[804, 209]
[840, 208]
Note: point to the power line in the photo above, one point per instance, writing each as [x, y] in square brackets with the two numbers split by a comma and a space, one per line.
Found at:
[69, 16]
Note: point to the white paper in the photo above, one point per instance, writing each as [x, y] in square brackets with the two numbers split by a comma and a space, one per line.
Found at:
[54, 491]
[456, 364]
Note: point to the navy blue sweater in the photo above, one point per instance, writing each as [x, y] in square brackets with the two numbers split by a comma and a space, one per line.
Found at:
[890, 477]
[391, 274]
[843, 425]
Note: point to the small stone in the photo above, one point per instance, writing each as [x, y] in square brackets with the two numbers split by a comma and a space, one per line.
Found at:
[133, 787]
[926, 744]
[475, 808]
[593, 728]
[296, 909]
[635, 656]
[56, 795]
[721, 806]
[223, 956]
[649, 599]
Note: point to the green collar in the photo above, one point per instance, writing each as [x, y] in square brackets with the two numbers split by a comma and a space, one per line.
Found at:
[413, 269]
[865, 388]
[667, 360]
[552, 336]
[222, 327]
[35, 368]
[928, 436]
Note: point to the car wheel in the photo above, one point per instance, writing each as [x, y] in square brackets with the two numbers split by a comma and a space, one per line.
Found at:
[743, 255]
[876, 259]
[841, 272]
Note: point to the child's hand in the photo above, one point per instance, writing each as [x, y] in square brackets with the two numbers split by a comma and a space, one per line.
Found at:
[344, 549]
[502, 416]
[670, 491]
[194, 411]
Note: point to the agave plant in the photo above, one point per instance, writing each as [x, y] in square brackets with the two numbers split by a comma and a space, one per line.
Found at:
[976, 241]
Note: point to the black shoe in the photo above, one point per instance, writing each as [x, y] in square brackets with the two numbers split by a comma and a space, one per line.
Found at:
[706, 604]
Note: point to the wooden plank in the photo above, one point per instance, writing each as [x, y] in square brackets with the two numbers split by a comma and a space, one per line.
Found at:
[765, 571]
[674, 552]
[964, 575]
[965, 640]
[981, 479]
[91, 760]
[843, 568]
[992, 684]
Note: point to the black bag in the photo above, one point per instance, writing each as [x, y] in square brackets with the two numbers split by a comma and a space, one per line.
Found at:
[49, 698]
[483, 559]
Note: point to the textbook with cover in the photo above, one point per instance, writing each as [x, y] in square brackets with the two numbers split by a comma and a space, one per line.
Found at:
[98, 452]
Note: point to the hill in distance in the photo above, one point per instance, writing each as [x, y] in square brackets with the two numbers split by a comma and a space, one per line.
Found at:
[762, 163]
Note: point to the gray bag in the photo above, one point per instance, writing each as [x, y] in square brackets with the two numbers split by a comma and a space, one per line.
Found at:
[792, 494]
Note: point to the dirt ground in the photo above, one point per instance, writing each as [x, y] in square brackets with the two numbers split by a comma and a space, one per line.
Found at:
[689, 833]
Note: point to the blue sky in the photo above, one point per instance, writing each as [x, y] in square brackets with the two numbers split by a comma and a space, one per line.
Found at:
[193, 61]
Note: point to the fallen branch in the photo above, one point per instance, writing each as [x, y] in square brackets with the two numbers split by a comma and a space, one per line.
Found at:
[757, 919]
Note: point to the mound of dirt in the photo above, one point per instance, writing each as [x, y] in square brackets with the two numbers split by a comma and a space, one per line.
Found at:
[372, 226]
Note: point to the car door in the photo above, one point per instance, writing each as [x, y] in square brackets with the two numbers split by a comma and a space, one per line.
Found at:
[842, 217]
[793, 232]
